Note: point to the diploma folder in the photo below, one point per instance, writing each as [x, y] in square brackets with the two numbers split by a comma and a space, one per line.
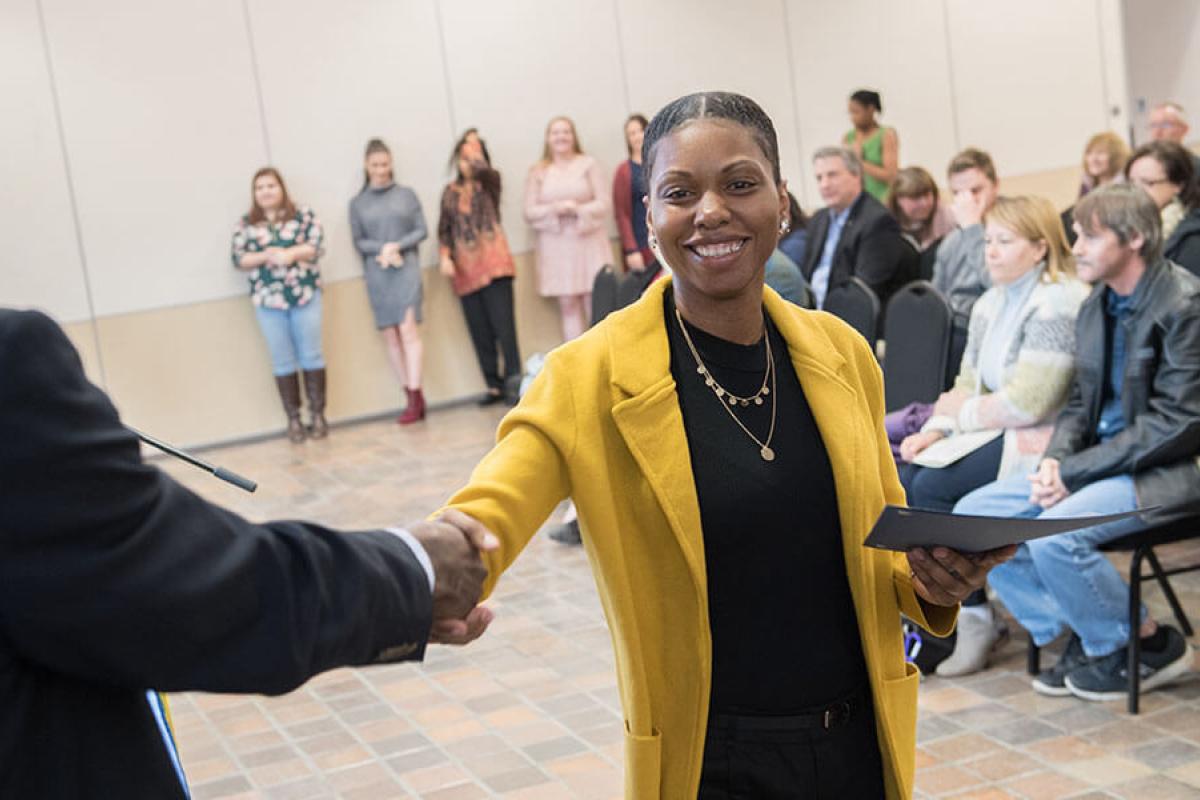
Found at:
[905, 528]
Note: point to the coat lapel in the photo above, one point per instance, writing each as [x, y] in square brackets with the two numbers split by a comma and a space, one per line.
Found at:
[651, 423]
[821, 370]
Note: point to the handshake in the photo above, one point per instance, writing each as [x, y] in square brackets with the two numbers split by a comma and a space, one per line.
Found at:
[453, 543]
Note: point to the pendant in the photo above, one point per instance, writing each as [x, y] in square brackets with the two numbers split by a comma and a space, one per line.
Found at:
[767, 453]
[758, 401]
[732, 400]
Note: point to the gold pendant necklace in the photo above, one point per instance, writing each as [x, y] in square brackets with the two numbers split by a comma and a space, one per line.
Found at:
[728, 399]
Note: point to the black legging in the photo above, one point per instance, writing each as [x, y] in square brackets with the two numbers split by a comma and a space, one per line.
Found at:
[940, 489]
[490, 321]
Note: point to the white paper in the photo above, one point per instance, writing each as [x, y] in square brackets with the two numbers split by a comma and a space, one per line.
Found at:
[945, 452]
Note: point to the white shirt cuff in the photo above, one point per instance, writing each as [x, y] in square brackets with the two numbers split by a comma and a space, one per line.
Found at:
[417, 551]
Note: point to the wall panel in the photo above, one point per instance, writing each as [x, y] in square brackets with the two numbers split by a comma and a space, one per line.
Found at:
[41, 264]
[163, 128]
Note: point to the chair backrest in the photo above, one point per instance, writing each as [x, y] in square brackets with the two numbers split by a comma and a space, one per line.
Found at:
[917, 331]
[856, 304]
[604, 293]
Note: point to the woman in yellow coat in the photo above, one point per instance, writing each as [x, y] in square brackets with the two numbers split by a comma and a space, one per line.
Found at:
[726, 453]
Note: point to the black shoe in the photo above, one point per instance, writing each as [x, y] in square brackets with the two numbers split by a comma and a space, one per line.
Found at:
[1107, 678]
[1053, 681]
[490, 398]
[567, 533]
[512, 390]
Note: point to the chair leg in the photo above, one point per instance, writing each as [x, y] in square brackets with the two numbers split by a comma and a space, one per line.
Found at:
[1169, 592]
[1033, 659]
[1134, 648]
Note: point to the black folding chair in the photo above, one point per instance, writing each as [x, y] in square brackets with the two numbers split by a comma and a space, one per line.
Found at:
[604, 293]
[856, 304]
[1167, 526]
[917, 331]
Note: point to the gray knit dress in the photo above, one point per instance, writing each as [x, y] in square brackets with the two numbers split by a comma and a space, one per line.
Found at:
[389, 214]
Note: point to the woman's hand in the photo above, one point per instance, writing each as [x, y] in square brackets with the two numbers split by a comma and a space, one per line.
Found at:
[949, 404]
[912, 445]
[635, 262]
[566, 208]
[446, 265]
[945, 577]
[277, 256]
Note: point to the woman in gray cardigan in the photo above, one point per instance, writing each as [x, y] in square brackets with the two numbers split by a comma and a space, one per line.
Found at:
[387, 224]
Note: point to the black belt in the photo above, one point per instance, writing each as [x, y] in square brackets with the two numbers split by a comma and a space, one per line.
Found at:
[821, 718]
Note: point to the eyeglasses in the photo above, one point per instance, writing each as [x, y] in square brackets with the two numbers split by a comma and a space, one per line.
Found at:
[1147, 184]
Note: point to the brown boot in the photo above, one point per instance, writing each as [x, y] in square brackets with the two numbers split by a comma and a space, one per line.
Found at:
[314, 385]
[289, 393]
[416, 408]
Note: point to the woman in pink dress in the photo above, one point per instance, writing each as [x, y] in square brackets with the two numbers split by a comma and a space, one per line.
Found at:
[566, 202]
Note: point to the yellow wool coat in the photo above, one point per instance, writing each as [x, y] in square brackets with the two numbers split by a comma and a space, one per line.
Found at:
[602, 425]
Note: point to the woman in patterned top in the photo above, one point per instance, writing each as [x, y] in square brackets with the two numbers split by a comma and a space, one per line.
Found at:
[277, 244]
[473, 253]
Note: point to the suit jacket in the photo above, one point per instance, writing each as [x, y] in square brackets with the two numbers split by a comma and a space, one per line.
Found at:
[870, 247]
[114, 579]
[602, 424]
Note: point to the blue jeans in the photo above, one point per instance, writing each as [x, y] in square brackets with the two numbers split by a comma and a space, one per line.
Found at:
[1063, 580]
[293, 336]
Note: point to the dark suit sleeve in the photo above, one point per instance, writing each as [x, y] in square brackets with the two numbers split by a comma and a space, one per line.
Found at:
[883, 259]
[112, 572]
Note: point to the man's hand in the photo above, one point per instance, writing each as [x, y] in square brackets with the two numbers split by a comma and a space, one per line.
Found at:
[635, 262]
[967, 208]
[453, 543]
[945, 577]
[1046, 487]
[462, 631]
[912, 445]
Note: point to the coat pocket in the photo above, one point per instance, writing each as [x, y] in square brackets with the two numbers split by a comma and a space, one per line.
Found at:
[643, 765]
[899, 700]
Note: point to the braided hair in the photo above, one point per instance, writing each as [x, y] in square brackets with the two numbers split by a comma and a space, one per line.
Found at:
[713, 105]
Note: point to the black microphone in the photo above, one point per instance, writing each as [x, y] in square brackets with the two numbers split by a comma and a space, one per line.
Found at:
[220, 472]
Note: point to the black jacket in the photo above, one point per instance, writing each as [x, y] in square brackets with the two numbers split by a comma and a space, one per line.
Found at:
[115, 579]
[870, 248]
[1183, 247]
[1160, 396]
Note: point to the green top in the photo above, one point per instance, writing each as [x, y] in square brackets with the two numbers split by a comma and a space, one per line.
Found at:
[872, 153]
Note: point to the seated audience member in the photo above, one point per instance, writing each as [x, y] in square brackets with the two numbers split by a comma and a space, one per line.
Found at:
[116, 581]
[924, 221]
[854, 235]
[1165, 171]
[958, 272]
[785, 277]
[877, 146]
[1168, 123]
[1127, 438]
[794, 243]
[1014, 378]
[1104, 160]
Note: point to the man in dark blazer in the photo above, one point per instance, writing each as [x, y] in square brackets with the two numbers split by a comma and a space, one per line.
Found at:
[854, 235]
[115, 580]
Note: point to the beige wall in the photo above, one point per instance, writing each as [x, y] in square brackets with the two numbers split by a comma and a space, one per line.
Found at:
[144, 120]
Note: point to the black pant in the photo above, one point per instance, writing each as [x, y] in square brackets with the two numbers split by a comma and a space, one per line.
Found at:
[940, 489]
[490, 321]
[793, 758]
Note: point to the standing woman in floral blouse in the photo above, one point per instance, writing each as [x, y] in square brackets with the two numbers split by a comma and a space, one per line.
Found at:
[474, 254]
[567, 203]
[388, 224]
[277, 244]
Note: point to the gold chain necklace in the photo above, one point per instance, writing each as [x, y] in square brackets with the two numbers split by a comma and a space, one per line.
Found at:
[728, 399]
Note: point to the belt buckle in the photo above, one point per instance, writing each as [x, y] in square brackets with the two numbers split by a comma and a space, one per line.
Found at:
[836, 714]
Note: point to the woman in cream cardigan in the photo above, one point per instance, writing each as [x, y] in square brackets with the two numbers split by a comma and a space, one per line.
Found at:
[1014, 378]
[726, 452]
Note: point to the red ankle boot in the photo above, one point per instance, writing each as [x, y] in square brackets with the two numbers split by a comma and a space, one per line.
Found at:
[416, 408]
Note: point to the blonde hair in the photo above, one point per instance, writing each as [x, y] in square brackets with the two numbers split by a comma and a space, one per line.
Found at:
[1035, 219]
[1115, 147]
[547, 157]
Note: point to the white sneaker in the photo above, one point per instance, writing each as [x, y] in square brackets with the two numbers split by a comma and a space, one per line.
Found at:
[976, 639]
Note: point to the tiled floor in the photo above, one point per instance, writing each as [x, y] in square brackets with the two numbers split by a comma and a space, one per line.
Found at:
[531, 710]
